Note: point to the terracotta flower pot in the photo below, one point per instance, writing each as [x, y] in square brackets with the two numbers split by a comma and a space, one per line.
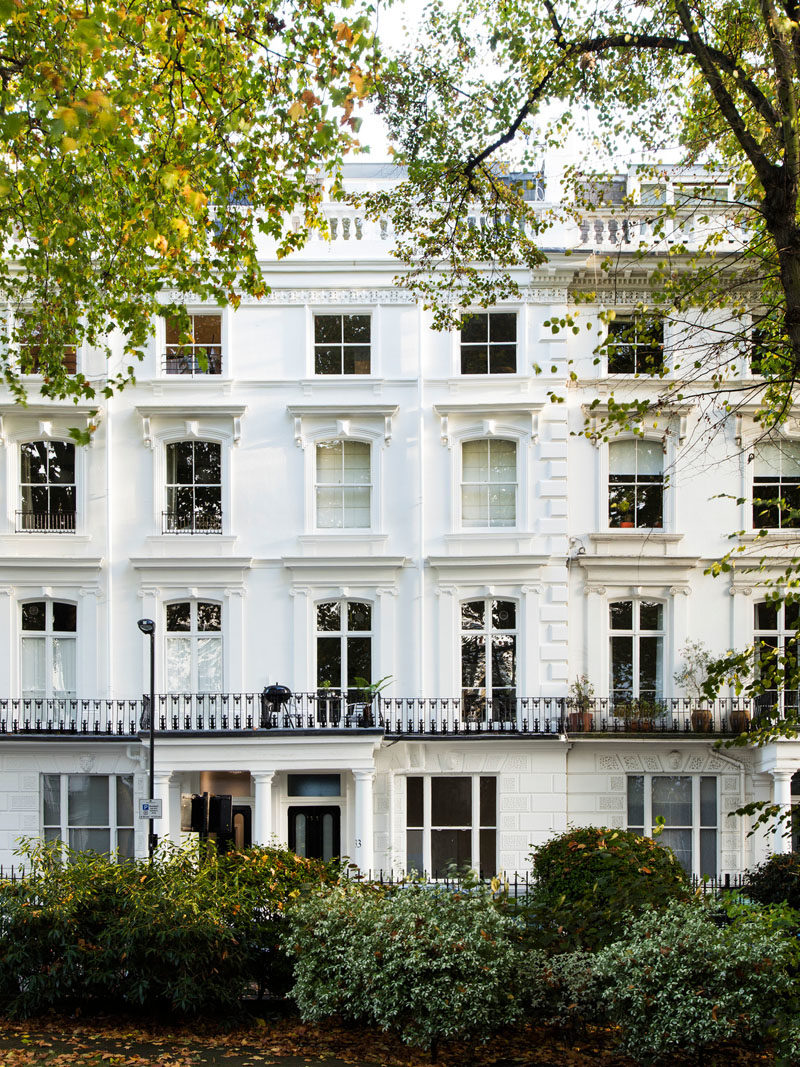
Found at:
[702, 720]
[580, 722]
[739, 720]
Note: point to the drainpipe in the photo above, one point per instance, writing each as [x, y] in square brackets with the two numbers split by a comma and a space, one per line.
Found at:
[421, 501]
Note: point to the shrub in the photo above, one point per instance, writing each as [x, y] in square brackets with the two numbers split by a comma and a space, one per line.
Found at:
[567, 991]
[187, 933]
[775, 881]
[591, 879]
[427, 963]
[676, 981]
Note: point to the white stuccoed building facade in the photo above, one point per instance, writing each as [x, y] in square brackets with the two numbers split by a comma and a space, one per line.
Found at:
[335, 492]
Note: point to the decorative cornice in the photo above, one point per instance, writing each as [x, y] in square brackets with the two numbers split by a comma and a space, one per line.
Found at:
[343, 415]
[344, 297]
[488, 414]
[190, 415]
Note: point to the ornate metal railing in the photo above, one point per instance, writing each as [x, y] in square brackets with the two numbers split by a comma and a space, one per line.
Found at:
[222, 713]
[178, 522]
[45, 522]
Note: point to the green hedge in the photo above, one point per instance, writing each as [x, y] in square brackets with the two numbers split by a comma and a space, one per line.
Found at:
[186, 934]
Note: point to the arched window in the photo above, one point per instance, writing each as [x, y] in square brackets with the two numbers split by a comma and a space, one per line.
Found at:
[488, 483]
[775, 632]
[637, 650]
[344, 647]
[635, 484]
[47, 648]
[47, 487]
[194, 647]
[343, 485]
[194, 487]
[489, 659]
[776, 486]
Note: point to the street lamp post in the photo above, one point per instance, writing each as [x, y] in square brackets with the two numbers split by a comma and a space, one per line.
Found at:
[148, 627]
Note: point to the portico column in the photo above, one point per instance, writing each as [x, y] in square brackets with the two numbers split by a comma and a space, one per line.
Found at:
[263, 828]
[782, 798]
[364, 835]
[161, 791]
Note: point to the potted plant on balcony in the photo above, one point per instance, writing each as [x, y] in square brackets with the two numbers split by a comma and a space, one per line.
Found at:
[641, 714]
[367, 692]
[579, 702]
[692, 677]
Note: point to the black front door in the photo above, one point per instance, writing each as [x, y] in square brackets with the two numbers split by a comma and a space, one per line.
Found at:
[314, 832]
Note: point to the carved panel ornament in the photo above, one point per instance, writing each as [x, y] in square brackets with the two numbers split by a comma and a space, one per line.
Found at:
[607, 763]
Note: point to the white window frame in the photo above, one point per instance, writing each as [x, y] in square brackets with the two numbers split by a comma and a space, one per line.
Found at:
[163, 426]
[487, 633]
[193, 634]
[47, 636]
[518, 311]
[783, 635]
[42, 430]
[636, 633]
[36, 376]
[750, 476]
[47, 441]
[161, 346]
[342, 634]
[622, 439]
[624, 315]
[696, 825]
[374, 334]
[113, 823]
[488, 525]
[669, 516]
[191, 485]
[318, 485]
[427, 814]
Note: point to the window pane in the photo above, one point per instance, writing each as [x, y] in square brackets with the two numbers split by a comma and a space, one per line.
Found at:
[125, 844]
[179, 665]
[680, 841]
[504, 649]
[207, 463]
[32, 666]
[488, 847]
[180, 466]
[622, 457]
[90, 840]
[451, 801]
[621, 612]
[357, 329]
[355, 508]
[33, 462]
[503, 326]
[314, 785]
[766, 616]
[474, 505]
[649, 457]
[207, 329]
[356, 359]
[672, 799]
[327, 329]
[356, 463]
[329, 509]
[504, 614]
[449, 848]
[636, 800]
[34, 616]
[209, 664]
[209, 616]
[651, 615]
[63, 674]
[179, 617]
[51, 791]
[414, 860]
[124, 800]
[650, 667]
[472, 615]
[475, 461]
[88, 800]
[475, 327]
[474, 359]
[328, 360]
[359, 615]
[65, 617]
[329, 662]
[359, 660]
[503, 359]
[414, 806]
[473, 661]
[622, 667]
[488, 788]
[708, 853]
[329, 462]
[708, 802]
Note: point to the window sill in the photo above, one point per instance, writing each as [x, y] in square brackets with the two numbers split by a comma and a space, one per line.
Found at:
[348, 542]
[791, 537]
[640, 534]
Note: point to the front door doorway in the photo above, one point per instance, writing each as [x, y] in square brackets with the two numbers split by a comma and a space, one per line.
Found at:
[314, 832]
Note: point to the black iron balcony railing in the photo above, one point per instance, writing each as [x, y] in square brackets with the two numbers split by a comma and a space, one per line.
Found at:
[177, 522]
[193, 360]
[210, 714]
[45, 522]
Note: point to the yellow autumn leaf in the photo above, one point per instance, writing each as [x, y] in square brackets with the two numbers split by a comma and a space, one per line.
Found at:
[296, 111]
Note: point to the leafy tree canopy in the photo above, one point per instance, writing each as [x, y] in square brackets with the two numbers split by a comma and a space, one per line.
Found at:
[139, 144]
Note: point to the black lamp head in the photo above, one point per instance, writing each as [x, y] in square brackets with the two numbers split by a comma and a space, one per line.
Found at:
[147, 626]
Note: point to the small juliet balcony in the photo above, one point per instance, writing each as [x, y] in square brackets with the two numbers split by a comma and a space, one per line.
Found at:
[61, 522]
[253, 715]
[182, 522]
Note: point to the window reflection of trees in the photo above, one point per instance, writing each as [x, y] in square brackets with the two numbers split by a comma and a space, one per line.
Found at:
[47, 485]
[488, 659]
[194, 487]
[344, 648]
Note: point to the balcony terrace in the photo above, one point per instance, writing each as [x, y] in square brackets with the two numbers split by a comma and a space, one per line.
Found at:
[200, 715]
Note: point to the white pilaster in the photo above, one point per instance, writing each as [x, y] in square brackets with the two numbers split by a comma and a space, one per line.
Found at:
[263, 828]
[161, 791]
[364, 807]
[782, 798]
